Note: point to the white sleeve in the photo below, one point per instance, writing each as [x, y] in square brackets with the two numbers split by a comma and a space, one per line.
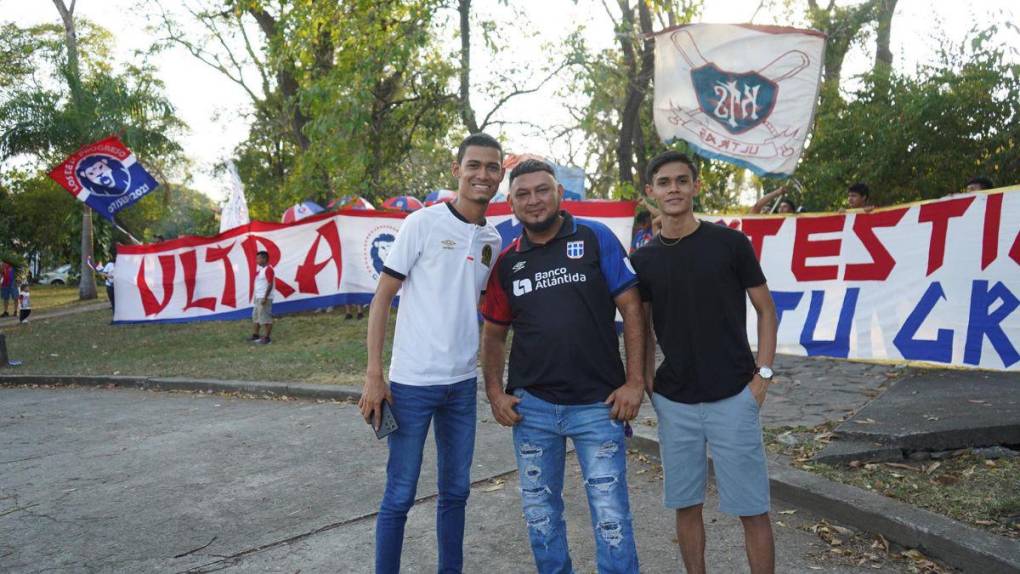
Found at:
[407, 248]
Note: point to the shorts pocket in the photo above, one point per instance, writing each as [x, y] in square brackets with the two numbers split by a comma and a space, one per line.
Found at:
[754, 401]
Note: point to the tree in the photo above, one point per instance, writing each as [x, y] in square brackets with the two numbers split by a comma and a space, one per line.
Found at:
[353, 95]
[87, 284]
[58, 94]
[920, 137]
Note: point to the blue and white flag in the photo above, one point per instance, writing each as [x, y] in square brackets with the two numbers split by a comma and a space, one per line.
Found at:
[105, 175]
[740, 93]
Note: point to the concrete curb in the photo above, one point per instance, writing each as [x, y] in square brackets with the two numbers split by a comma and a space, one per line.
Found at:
[959, 545]
[262, 389]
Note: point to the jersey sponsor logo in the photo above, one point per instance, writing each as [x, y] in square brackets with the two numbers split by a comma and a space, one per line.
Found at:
[522, 286]
[377, 246]
[518, 266]
[487, 255]
[575, 249]
[547, 279]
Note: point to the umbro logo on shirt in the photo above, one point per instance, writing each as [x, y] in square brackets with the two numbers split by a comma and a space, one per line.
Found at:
[519, 265]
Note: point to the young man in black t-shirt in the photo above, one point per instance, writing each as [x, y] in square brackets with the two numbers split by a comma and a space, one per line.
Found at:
[694, 279]
[559, 286]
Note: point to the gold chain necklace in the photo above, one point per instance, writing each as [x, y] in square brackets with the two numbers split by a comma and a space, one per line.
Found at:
[663, 241]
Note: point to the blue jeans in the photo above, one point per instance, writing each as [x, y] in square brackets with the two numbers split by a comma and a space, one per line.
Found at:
[453, 412]
[540, 444]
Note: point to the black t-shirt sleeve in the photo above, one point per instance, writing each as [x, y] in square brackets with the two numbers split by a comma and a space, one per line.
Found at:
[637, 259]
[746, 264]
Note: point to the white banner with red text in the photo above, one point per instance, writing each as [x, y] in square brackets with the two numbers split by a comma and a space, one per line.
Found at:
[935, 282]
[324, 260]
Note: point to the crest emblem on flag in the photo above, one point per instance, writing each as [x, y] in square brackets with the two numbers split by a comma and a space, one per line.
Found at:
[575, 249]
[737, 102]
[740, 93]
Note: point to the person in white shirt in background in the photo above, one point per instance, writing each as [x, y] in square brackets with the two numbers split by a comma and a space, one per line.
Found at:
[262, 305]
[24, 304]
[106, 272]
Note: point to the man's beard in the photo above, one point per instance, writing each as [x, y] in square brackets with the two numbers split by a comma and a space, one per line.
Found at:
[542, 226]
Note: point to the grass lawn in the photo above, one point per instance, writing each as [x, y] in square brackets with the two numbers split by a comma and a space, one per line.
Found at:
[46, 297]
[965, 487]
[310, 347]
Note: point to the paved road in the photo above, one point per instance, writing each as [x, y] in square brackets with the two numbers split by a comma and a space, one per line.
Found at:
[97, 480]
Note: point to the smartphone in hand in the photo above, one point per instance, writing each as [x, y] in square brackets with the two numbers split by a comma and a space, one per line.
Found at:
[387, 423]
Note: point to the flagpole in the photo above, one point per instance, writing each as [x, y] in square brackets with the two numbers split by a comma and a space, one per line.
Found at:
[125, 231]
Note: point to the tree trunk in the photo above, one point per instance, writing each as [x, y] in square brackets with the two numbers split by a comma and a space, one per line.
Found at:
[883, 53]
[286, 82]
[467, 113]
[639, 56]
[87, 285]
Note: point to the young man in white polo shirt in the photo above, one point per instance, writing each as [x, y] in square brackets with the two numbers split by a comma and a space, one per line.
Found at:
[441, 258]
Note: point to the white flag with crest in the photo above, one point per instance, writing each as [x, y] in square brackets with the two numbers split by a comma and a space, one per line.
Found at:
[740, 93]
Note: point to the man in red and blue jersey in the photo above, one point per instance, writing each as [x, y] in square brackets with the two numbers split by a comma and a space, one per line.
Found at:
[559, 286]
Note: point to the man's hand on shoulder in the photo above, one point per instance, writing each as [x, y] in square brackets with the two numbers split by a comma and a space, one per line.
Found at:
[503, 409]
[372, 396]
[626, 400]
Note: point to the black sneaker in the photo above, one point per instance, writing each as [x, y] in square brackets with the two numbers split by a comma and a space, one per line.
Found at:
[6, 314]
[264, 341]
[361, 316]
[253, 338]
[348, 316]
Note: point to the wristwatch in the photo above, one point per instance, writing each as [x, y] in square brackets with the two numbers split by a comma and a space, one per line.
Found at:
[765, 372]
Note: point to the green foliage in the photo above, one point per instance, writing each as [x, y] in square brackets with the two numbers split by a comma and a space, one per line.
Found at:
[42, 122]
[956, 118]
[355, 98]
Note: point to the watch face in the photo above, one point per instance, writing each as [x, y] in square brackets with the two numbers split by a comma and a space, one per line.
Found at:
[765, 373]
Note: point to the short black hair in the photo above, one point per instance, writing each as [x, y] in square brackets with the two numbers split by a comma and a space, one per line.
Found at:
[531, 166]
[788, 201]
[480, 139]
[860, 188]
[262, 253]
[669, 157]
[983, 181]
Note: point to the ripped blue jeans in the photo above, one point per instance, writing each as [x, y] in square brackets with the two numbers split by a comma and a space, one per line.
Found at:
[540, 442]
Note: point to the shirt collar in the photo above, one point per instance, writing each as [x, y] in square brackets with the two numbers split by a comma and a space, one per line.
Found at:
[458, 215]
[568, 228]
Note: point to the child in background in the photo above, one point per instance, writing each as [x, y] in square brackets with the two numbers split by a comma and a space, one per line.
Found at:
[24, 304]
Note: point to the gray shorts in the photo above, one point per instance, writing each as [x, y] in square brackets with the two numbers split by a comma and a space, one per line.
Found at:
[262, 312]
[732, 430]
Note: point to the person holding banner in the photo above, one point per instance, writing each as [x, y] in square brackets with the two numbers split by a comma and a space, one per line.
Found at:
[694, 278]
[441, 260]
[858, 196]
[559, 286]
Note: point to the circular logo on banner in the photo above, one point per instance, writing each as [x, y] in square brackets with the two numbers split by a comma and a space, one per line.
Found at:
[377, 246]
[103, 176]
